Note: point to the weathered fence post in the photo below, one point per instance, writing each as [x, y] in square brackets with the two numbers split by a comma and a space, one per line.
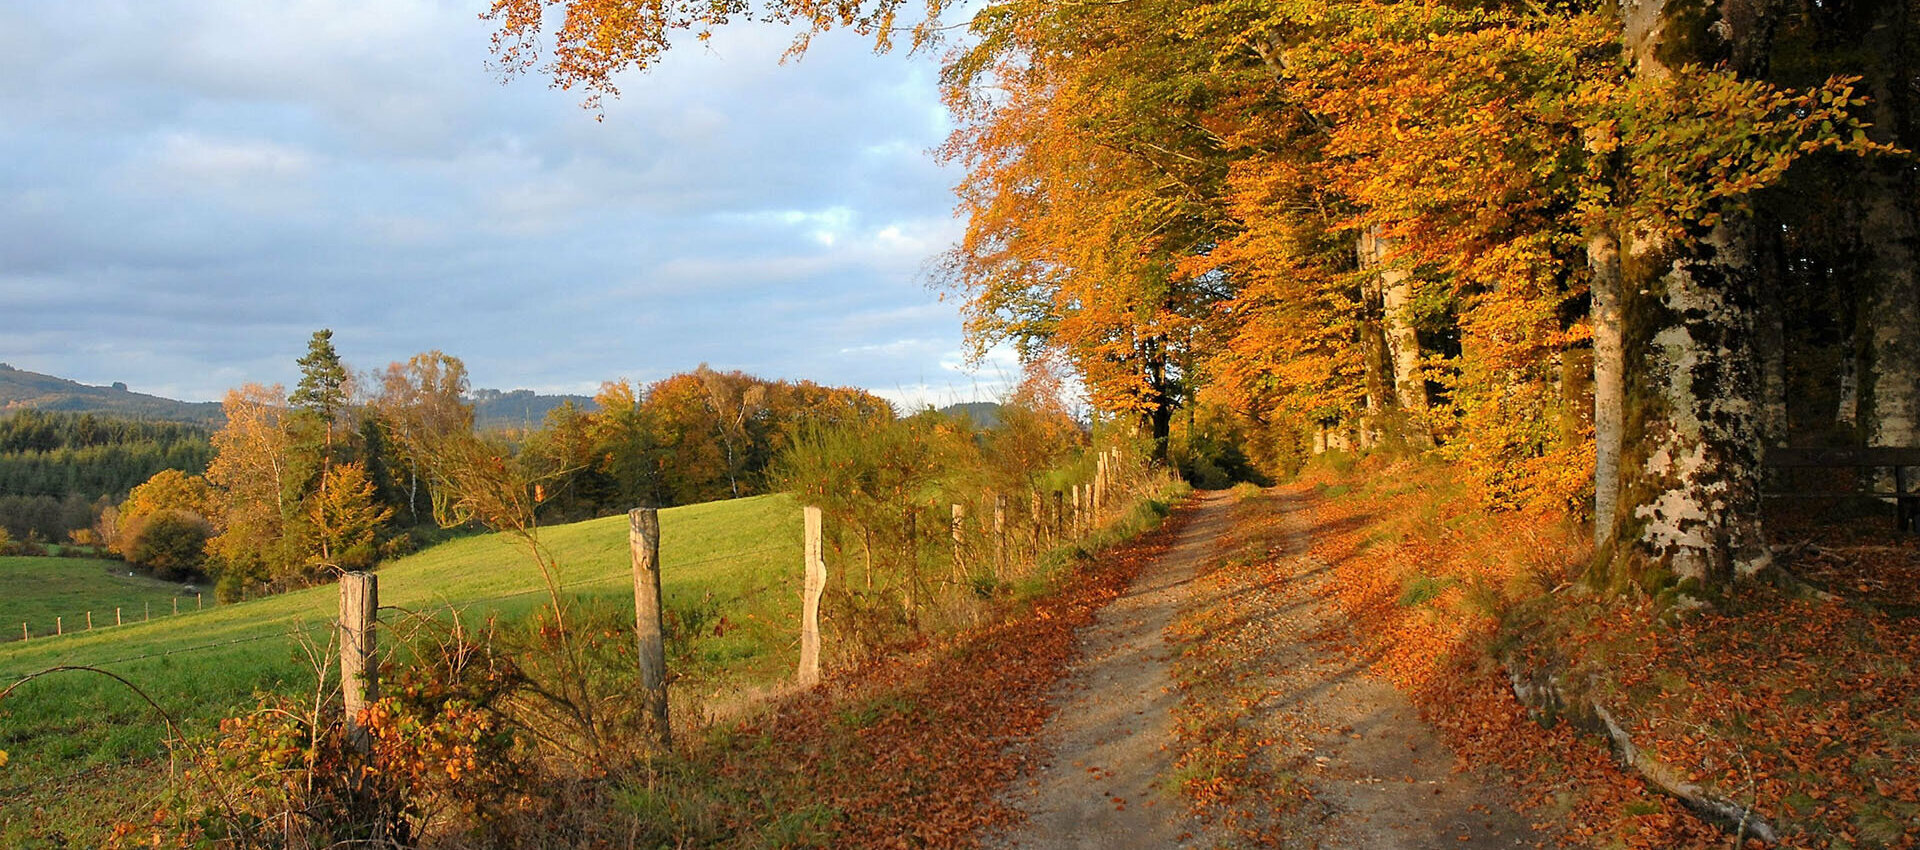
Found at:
[1035, 506]
[1079, 511]
[59, 626]
[197, 606]
[116, 616]
[89, 621]
[815, 584]
[1100, 486]
[359, 671]
[176, 606]
[999, 531]
[643, 538]
[23, 632]
[957, 526]
[149, 615]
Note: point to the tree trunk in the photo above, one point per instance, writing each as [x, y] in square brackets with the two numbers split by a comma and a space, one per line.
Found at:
[1157, 420]
[1609, 384]
[1376, 368]
[1890, 386]
[1771, 323]
[1688, 505]
[1401, 344]
[1689, 469]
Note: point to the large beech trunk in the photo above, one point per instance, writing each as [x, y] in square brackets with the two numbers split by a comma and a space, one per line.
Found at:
[1686, 477]
[1689, 462]
[1609, 384]
[1392, 347]
[1890, 385]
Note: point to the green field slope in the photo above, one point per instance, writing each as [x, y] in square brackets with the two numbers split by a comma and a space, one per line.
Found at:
[34, 591]
[738, 559]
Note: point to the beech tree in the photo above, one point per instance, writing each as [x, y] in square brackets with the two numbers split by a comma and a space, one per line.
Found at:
[251, 466]
[1600, 257]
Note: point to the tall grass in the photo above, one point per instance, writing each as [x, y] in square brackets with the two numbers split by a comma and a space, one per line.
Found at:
[731, 578]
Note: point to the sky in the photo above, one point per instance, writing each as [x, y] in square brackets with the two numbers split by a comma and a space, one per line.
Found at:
[190, 188]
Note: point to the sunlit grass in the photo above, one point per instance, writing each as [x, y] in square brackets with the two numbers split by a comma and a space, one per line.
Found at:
[738, 559]
[35, 591]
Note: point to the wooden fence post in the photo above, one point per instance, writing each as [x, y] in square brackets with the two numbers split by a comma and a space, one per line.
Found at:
[643, 538]
[89, 621]
[1059, 514]
[176, 606]
[816, 584]
[59, 626]
[1033, 504]
[23, 632]
[958, 524]
[149, 614]
[116, 616]
[999, 530]
[1100, 486]
[197, 603]
[359, 671]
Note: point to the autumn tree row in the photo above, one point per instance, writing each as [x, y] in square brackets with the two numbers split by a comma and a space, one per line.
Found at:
[1601, 255]
[345, 471]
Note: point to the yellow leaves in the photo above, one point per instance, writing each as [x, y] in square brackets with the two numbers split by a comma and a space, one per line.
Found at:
[1699, 142]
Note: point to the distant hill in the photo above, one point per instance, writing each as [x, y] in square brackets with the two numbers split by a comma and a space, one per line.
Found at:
[985, 414]
[494, 410]
[21, 390]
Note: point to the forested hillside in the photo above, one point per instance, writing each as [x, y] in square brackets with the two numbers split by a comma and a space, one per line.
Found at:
[518, 409]
[22, 390]
[58, 470]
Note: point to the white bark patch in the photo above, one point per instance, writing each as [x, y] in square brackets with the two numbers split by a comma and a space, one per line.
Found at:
[1680, 522]
[1687, 521]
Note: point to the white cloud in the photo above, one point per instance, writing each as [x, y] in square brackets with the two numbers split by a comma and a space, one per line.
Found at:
[218, 178]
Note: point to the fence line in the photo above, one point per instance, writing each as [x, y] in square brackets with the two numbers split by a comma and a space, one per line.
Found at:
[59, 629]
[529, 592]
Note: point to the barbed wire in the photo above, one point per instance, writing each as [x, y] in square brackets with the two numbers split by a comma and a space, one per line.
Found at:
[515, 594]
[22, 791]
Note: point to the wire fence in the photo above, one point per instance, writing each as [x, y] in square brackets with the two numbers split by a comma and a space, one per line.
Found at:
[44, 783]
[83, 621]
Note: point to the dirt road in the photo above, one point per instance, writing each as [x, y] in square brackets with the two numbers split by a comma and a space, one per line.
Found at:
[1110, 740]
[1376, 776]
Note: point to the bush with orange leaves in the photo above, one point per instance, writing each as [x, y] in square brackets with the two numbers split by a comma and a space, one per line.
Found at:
[436, 762]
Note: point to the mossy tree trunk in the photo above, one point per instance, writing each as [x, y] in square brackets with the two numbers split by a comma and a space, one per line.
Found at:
[1686, 478]
[1609, 384]
[1394, 345]
[1890, 381]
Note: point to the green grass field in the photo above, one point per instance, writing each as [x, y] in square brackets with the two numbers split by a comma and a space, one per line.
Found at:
[34, 591]
[737, 558]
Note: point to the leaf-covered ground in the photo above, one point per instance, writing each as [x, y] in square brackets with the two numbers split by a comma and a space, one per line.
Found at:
[1805, 709]
[1290, 735]
[911, 750]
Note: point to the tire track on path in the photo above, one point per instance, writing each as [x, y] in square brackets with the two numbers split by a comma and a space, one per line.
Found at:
[1111, 738]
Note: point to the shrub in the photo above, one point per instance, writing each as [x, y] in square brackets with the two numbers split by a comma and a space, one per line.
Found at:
[171, 543]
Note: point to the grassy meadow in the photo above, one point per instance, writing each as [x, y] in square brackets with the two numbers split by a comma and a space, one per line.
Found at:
[734, 563]
[36, 590]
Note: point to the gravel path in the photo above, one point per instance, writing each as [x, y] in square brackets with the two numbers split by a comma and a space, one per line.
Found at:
[1110, 738]
[1376, 775]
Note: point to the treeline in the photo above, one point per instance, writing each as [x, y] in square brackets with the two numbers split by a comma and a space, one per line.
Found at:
[1599, 267]
[58, 470]
[1600, 255]
[693, 437]
[346, 471]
